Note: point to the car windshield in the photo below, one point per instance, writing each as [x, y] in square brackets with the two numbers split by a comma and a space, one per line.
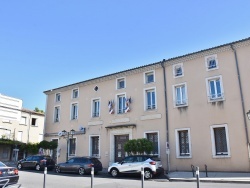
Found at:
[2, 164]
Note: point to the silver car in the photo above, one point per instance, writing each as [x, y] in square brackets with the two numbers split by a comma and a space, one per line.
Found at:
[133, 164]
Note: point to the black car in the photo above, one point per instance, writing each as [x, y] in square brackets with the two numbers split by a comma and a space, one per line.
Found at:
[8, 175]
[37, 162]
[80, 165]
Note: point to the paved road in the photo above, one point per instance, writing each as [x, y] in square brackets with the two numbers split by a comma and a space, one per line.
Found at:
[34, 179]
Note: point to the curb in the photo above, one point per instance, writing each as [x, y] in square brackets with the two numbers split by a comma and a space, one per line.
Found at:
[209, 180]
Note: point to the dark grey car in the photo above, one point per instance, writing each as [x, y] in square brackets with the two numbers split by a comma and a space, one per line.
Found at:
[80, 165]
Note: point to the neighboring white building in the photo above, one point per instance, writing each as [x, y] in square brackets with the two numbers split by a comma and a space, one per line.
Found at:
[20, 124]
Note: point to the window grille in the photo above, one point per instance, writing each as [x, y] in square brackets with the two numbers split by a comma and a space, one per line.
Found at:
[220, 141]
[153, 137]
[184, 143]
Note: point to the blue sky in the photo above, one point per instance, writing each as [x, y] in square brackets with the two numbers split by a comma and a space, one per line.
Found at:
[52, 43]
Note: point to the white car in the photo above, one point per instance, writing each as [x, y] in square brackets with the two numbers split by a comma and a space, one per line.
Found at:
[133, 164]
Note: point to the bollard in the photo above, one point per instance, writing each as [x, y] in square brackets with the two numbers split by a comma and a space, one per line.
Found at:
[206, 170]
[44, 178]
[142, 177]
[198, 176]
[92, 176]
[192, 167]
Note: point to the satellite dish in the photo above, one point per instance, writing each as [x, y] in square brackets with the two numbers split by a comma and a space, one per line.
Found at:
[60, 134]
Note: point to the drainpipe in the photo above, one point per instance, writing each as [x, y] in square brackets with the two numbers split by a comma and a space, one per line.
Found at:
[242, 99]
[166, 108]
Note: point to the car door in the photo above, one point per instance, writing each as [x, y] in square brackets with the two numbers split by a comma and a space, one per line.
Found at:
[66, 167]
[126, 163]
[137, 164]
[27, 162]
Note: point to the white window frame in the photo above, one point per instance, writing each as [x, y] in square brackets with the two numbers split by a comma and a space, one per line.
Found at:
[212, 127]
[178, 156]
[73, 116]
[179, 65]
[90, 146]
[118, 83]
[182, 103]
[117, 103]
[209, 96]
[25, 120]
[58, 97]
[145, 91]
[54, 117]
[93, 107]
[158, 133]
[73, 93]
[20, 136]
[152, 72]
[207, 60]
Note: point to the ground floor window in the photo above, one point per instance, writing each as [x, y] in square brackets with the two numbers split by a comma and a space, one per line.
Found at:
[153, 137]
[72, 147]
[95, 146]
[183, 143]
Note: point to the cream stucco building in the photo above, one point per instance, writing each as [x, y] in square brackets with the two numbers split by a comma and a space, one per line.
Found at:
[192, 107]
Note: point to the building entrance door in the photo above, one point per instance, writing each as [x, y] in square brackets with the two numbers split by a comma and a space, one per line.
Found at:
[120, 140]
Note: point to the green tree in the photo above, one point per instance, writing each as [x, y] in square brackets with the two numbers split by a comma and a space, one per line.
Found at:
[38, 110]
[138, 146]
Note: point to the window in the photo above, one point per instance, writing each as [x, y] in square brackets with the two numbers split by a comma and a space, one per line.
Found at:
[180, 95]
[183, 143]
[220, 140]
[178, 70]
[58, 97]
[149, 77]
[215, 88]
[23, 120]
[153, 137]
[72, 147]
[57, 114]
[74, 111]
[150, 99]
[5, 153]
[75, 93]
[20, 136]
[121, 104]
[120, 83]
[94, 148]
[40, 137]
[33, 121]
[211, 62]
[96, 108]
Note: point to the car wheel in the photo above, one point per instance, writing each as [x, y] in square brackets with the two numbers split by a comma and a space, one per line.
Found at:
[81, 171]
[19, 166]
[114, 172]
[57, 169]
[147, 174]
[38, 167]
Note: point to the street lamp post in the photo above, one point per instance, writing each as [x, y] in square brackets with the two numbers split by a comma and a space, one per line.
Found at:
[248, 114]
[67, 136]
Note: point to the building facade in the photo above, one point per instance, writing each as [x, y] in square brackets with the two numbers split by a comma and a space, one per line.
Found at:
[192, 107]
[17, 123]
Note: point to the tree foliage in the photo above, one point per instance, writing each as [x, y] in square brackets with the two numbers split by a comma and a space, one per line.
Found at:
[138, 146]
[38, 110]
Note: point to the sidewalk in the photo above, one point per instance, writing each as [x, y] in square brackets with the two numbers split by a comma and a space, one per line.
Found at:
[217, 177]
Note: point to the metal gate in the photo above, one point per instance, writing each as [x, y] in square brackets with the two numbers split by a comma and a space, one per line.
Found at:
[120, 140]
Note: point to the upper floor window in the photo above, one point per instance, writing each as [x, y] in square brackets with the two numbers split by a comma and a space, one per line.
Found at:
[20, 136]
[75, 93]
[96, 108]
[149, 77]
[34, 121]
[178, 70]
[220, 140]
[180, 95]
[58, 97]
[211, 62]
[57, 114]
[121, 104]
[120, 83]
[23, 120]
[183, 143]
[215, 88]
[74, 111]
[153, 137]
[150, 99]
[94, 146]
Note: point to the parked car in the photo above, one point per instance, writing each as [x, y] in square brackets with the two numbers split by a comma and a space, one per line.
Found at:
[133, 164]
[37, 162]
[80, 165]
[8, 175]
